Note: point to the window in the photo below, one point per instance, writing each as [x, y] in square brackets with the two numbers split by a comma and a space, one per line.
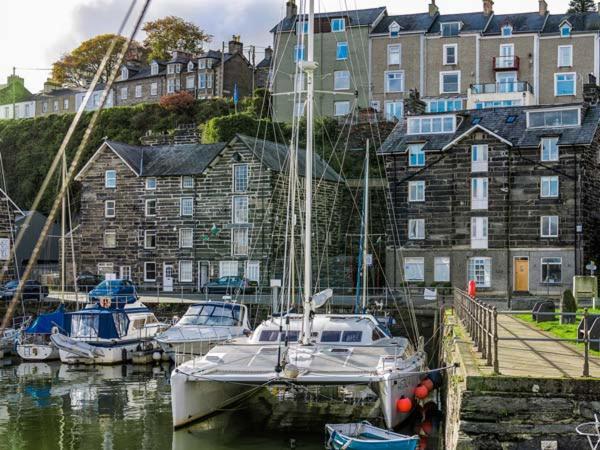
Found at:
[549, 187]
[551, 270]
[150, 183]
[149, 239]
[228, 268]
[394, 29]
[444, 105]
[299, 109]
[549, 149]
[105, 267]
[441, 269]
[149, 271]
[564, 84]
[66, 103]
[414, 269]
[416, 191]
[202, 80]
[565, 30]
[507, 30]
[239, 209]
[338, 25]
[298, 53]
[549, 226]
[252, 271]
[170, 86]
[110, 179]
[189, 82]
[450, 28]
[450, 54]
[394, 109]
[479, 158]
[240, 177]
[185, 272]
[341, 52]
[239, 241]
[416, 229]
[187, 182]
[44, 109]
[498, 104]
[124, 93]
[449, 82]
[110, 239]
[416, 155]
[186, 207]
[55, 105]
[150, 207]
[480, 271]
[341, 108]
[209, 63]
[341, 80]
[190, 66]
[154, 69]
[302, 27]
[186, 238]
[394, 54]
[109, 208]
[431, 124]
[375, 105]
[565, 56]
[394, 81]
[209, 80]
[138, 91]
[124, 73]
[202, 64]
[125, 273]
[553, 118]
[177, 68]
[479, 193]
[479, 232]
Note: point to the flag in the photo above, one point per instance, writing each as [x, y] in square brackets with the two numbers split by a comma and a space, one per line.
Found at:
[235, 95]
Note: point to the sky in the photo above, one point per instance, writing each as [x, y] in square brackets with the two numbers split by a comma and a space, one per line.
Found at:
[35, 33]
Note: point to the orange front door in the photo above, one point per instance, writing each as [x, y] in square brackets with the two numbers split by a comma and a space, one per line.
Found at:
[521, 275]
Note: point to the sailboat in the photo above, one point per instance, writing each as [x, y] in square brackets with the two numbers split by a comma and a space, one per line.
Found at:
[311, 348]
[34, 343]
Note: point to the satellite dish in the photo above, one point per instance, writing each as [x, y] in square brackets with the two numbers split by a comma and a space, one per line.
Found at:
[320, 299]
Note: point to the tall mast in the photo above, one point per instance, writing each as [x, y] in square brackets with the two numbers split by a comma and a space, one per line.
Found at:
[63, 222]
[309, 67]
[366, 233]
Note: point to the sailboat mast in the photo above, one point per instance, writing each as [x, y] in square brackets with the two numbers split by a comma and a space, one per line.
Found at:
[63, 222]
[366, 233]
[309, 67]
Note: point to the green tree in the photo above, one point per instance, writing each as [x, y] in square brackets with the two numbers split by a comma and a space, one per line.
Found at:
[78, 67]
[581, 6]
[172, 33]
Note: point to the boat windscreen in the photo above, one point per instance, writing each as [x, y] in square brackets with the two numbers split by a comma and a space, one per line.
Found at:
[85, 325]
[210, 315]
[271, 335]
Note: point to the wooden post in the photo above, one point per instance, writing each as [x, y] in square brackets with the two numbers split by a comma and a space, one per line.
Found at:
[484, 336]
[586, 345]
[496, 364]
[489, 336]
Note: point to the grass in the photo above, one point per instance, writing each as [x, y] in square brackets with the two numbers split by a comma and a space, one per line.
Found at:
[563, 331]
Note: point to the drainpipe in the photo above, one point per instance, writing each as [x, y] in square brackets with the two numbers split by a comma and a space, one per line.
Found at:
[509, 273]
[577, 253]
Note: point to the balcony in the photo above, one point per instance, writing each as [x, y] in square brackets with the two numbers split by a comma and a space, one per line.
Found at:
[501, 88]
[506, 63]
[494, 95]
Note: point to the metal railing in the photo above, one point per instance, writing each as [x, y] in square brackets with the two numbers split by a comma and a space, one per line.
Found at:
[506, 62]
[504, 87]
[481, 322]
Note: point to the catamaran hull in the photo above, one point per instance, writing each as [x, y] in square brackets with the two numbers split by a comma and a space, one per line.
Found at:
[192, 400]
[180, 352]
[37, 352]
[390, 389]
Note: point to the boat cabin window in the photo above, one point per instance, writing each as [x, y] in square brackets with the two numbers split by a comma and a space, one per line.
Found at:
[224, 315]
[138, 323]
[85, 325]
[331, 336]
[352, 336]
[377, 334]
[121, 323]
[151, 320]
[344, 336]
[271, 336]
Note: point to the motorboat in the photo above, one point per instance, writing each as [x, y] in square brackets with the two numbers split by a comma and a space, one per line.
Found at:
[364, 436]
[204, 325]
[34, 343]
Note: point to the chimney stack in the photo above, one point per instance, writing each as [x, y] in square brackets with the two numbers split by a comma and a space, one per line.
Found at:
[50, 85]
[235, 45]
[290, 9]
[543, 7]
[433, 8]
[268, 52]
[488, 7]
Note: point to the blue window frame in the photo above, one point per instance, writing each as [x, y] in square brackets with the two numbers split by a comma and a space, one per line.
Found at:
[444, 105]
[342, 51]
[338, 25]
[302, 27]
[507, 30]
[565, 30]
[564, 84]
[416, 155]
[298, 53]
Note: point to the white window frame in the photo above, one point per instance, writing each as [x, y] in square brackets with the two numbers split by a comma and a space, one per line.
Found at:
[391, 106]
[189, 82]
[450, 72]
[341, 21]
[569, 62]
[386, 80]
[337, 49]
[236, 187]
[240, 209]
[190, 66]
[186, 238]
[479, 158]
[544, 111]
[544, 261]
[567, 27]
[146, 270]
[124, 93]
[419, 266]
[341, 80]
[107, 208]
[147, 235]
[124, 73]
[416, 229]
[438, 262]
[236, 248]
[189, 270]
[252, 271]
[448, 24]
[546, 231]
[146, 208]
[182, 209]
[445, 56]
[508, 28]
[202, 80]
[487, 268]
[65, 104]
[417, 151]
[431, 120]
[479, 193]
[394, 52]
[110, 179]
[187, 182]
[552, 154]
[416, 191]
[479, 232]
[154, 89]
[150, 186]
[228, 269]
[170, 86]
[546, 187]
[394, 29]
[112, 233]
[154, 69]
[138, 91]
[574, 81]
[336, 110]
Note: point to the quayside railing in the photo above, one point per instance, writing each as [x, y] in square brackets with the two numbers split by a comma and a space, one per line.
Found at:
[480, 319]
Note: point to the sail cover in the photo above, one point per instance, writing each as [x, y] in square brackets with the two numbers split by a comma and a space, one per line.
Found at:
[43, 324]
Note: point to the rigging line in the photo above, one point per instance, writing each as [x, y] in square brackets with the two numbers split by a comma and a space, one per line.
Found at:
[71, 232]
[79, 152]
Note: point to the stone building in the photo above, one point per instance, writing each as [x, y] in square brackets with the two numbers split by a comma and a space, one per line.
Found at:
[54, 99]
[140, 83]
[175, 216]
[506, 197]
[263, 70]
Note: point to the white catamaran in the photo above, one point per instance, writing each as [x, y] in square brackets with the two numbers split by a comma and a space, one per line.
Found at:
[302, 349]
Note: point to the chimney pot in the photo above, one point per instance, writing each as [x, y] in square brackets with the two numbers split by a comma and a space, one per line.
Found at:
[235, 45]
[543, 7]
[290, 9]
[488, 7]
[268, 52]
[433, 8]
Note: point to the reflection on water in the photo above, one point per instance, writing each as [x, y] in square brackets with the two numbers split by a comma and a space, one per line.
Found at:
[47, 406]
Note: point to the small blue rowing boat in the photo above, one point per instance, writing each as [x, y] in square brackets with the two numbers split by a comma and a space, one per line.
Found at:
[364, 436]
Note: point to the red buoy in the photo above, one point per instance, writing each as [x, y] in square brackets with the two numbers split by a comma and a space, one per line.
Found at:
[428, 384]
[421, 392]
[472, 289]
[423, 443]
[427, 427]
[404, 405]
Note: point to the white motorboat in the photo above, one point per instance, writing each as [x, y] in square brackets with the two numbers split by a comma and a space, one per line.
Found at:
[204, 325]
[34, 343]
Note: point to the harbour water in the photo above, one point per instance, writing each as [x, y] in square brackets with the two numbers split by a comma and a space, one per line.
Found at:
[48, 406]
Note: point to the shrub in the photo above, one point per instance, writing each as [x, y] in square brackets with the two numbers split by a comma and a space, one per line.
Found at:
[180, 101]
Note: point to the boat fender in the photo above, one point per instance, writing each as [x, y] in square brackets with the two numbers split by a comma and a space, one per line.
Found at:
[421, 392]
[54, 330]
[404, 404]
[156, 356]
[428, 384]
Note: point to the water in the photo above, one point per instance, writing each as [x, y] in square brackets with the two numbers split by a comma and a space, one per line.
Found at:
[48, 406]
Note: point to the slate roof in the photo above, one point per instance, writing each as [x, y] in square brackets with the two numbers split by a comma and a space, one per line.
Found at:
[582, 22]
[266, 63]
[495, 120]
[356, 17]
[472, 22]
[407, 22]
[531, 22]
[59, 92]
[167, 160]
[275, 157]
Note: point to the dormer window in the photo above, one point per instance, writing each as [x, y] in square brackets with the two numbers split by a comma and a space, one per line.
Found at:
[190, 67]
[554, 118]
[171, 68]
[202, 63]
[565, 29]
[338, 25]
[154, 68]
[124, 73]
[507, 30]
[431, 124]
[450, 28]
[394, 29]
[302, 27]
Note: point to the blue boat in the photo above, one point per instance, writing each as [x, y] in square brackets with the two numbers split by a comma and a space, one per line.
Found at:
[364, 436]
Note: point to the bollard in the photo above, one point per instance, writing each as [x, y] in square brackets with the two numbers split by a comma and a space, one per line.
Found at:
[489, 336]
[496, 364]
[586, 345]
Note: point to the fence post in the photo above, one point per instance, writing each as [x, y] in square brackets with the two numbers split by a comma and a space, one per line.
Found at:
[489, 336]
[586, 345]
[496, 364]
[484, 336]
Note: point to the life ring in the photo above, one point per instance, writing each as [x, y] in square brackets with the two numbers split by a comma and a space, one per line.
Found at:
[54, 330]
[105, 302]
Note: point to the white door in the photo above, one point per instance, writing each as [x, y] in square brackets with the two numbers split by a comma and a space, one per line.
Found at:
[202, 273]
[507, 81]
[168, 278]
[507, 54]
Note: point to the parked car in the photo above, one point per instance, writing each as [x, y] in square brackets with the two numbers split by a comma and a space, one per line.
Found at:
[86, 281]
[230, 285]
[114, 293]
[33, 290]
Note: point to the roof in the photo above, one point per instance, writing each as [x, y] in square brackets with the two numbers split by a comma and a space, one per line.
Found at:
[60, 92]
[356, 17]
[532, 22]
[581, 22]
[494, 121]
[407, 22]
[275, 157]
[266, 63]
[472, 22]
